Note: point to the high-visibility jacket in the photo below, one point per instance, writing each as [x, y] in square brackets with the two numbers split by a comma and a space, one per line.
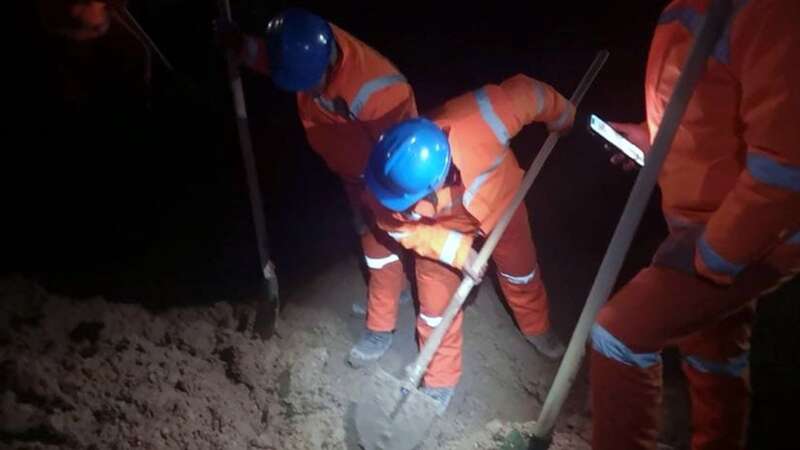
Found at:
[478, 125]
[364, 95]
[735, 161]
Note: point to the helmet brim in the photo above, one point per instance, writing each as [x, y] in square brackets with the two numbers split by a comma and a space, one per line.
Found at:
[389, 199]
[297, 79]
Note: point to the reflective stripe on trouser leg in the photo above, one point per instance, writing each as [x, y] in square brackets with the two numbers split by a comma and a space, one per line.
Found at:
[626, 404]
[716, 365]
[386, 281]
[520, 280]
[720, 408]
[658, 307]
[625, 382]
[436, 284]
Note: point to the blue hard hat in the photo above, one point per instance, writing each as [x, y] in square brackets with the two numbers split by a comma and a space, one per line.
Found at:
[410, 161]
[299, 46]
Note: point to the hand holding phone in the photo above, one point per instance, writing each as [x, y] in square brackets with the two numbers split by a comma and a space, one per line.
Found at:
[613, 137]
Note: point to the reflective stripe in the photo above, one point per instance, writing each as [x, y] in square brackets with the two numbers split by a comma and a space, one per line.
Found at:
[325, 103]
[609, 346]
[490, 117]
[693, 20]
[714, 261]
[380, 263]
[398, 235]
[733, 367]
[769, 171]
[430, 321]
[680, 222]
[795, 239]
[524, 279]
[450, 248]
[559, 123]
[688, 17]
[372, 86]
[538, 92]
[476, 184]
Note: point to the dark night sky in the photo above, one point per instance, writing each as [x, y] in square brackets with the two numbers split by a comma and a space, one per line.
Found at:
[108, 186]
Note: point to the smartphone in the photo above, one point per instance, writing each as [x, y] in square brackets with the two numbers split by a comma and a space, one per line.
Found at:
[625, 146]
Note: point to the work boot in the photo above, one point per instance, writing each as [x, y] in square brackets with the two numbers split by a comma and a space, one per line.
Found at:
[547, 344]
[441, 395]
[371, 346]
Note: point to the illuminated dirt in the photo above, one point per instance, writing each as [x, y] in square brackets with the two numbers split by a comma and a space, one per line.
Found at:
[94, 374]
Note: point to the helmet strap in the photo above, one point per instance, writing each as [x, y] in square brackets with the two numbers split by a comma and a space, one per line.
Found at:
[433, 199]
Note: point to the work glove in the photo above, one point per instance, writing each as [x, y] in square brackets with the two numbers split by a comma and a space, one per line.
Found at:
[639, 136]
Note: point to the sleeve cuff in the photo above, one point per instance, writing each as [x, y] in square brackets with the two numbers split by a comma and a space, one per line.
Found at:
[710, 264]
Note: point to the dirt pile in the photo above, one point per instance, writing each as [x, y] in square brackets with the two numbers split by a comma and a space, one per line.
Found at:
[93, 374]
[99, 375]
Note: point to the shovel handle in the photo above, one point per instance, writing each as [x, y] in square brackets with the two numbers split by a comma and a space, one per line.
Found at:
[417, 369]
[246, 144]
[268, 307]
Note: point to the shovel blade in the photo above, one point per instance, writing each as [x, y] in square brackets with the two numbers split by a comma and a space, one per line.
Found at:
[392, 417]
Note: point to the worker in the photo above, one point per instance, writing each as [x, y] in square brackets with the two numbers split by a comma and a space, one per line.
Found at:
[731, 197]
[94, 53]
[436, 184]
[77, 20]
[347, 93]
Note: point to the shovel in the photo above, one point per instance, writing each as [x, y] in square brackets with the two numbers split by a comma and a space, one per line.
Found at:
[268, 305]
[393, 413]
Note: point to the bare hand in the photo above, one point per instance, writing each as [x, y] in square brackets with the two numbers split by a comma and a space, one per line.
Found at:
[469, 267]
[639, 136]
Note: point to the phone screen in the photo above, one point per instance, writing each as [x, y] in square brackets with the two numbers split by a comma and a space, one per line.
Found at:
[625, 146]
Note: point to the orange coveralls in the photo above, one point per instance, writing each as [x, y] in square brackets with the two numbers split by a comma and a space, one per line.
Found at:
[479, 125]
[375, 96]
[731, 196]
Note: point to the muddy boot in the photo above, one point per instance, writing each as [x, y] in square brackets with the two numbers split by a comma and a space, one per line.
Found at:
[547, 344]
[371, 346]
[359, 309]
[442, 395]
